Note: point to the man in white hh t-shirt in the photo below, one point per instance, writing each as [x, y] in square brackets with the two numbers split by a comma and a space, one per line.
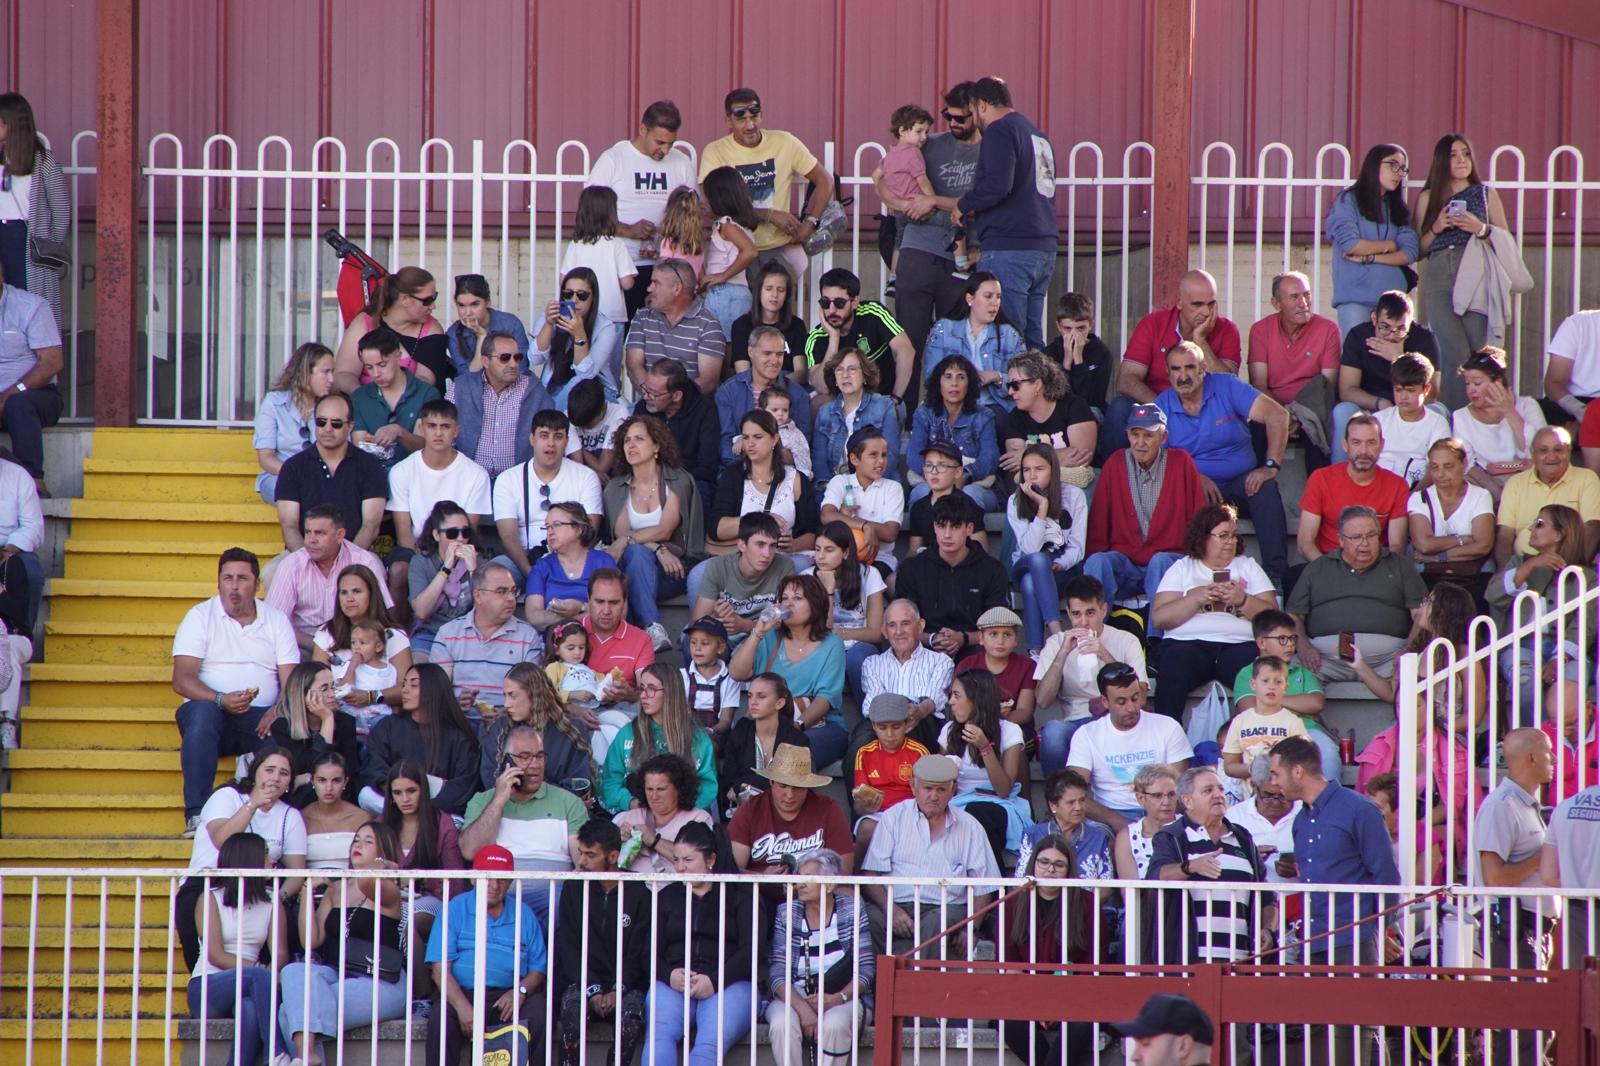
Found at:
[435, 472]
[1111, 751]
[643, 172]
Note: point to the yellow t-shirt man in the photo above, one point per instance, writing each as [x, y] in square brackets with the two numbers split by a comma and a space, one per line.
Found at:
[769, 170]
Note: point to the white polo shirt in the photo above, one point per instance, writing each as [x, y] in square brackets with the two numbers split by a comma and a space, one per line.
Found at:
[234, 657]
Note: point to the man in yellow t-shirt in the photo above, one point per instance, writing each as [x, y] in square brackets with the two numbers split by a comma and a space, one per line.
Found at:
[769, 161]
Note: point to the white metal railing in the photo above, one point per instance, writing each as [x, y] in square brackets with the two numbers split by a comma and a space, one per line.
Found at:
[1129, 922]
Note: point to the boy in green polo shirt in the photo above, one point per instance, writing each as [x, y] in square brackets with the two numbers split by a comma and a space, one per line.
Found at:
[1275, 635]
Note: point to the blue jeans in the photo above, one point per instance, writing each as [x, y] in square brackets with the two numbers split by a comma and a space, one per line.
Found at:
[1265, 509]
[982, 495]
[321, 1014]
[727, 302]
[854, 657]
[1352, 315]
[666, 1025]
[1024, 284]
[1040, 584]
[1055, 742]
[207, 733]
[828, 741]
[254, 1020]
[648, 584]
[1123, 578]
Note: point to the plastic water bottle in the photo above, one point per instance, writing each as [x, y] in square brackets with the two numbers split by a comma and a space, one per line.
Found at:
[775, 613]
[850, 495]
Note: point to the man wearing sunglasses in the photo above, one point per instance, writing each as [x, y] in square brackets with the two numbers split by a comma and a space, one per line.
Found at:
[848, 321]
[770, 161]
[332, 472]
[496, 407]
[926, 282]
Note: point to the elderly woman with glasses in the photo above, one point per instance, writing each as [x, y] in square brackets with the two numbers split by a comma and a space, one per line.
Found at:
[1204, 606]
[852, 380]
[950, 413]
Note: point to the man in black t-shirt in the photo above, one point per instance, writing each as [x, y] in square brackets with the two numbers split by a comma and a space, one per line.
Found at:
[335, 472]
[1369, 350]
[851, 322]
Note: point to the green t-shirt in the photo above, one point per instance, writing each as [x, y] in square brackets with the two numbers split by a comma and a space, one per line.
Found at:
[546, 820]
[371, 412]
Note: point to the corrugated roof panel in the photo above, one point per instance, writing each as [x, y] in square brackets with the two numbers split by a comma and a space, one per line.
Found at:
[482, 68]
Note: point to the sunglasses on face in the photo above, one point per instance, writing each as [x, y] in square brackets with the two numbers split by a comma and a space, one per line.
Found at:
[453, 532]
[750, 111]
[1016, 383]
[426, 301]
[840, 302]
[331, 423]
[581, 295]
[505, 357]
[954, 118]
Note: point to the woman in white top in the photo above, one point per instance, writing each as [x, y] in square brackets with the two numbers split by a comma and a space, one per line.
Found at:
[989, 751]
[595, 245]
[331, 820]
[1497, 425]
[760, 482]
[857, 594]
[1049, 519]
[1204, 605]
[1452, 520]
[866, 499]
[1155, 786]
[236, 918]
[656, 519]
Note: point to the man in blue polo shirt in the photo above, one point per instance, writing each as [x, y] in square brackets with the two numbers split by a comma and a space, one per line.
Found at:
[514, 964]
[1209, 416]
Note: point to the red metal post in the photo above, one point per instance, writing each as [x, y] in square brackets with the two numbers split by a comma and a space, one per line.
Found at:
[1174, 82]
[117, 218]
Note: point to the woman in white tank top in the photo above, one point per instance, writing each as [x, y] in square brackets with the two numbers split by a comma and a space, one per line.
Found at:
[1155, 786]
[235, 924]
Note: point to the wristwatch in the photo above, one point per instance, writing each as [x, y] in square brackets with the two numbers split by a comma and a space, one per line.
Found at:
[1184, 866]
[21, 386]
[522, 990]
[813, 219]
[1272, 464]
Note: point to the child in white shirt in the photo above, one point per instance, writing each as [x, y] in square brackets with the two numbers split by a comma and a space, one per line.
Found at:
[775, 401]
[1410, 427]
[712, 692]
[367, 670]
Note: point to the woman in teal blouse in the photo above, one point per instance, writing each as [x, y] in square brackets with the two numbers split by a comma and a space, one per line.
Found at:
[664, 726]
[802, 651]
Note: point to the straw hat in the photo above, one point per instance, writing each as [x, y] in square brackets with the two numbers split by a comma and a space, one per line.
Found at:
[791, 765]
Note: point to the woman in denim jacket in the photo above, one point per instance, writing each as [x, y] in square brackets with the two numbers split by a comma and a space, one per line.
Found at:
[950, 412]
[983, 335]
[852, 378]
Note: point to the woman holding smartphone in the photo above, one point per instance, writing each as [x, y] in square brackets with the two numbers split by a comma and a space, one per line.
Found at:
[1454, 207]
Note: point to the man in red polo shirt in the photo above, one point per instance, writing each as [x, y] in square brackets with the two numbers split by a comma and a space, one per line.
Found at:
[614, 645]
[1290, 348]
[1144, 364]
[1357, 481]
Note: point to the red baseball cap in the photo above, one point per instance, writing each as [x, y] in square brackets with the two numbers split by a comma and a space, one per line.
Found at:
[493, 857]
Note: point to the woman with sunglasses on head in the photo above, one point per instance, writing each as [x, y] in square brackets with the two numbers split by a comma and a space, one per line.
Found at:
[1369, 227]
[475, 320]
[574, 340]
[441, 574]
[1047, 413]
[403, 305]
[283, 418]
[852, 380]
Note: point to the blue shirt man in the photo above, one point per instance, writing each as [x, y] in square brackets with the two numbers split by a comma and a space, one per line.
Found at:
[741, 393]
[1339, 839]
[1209, 416]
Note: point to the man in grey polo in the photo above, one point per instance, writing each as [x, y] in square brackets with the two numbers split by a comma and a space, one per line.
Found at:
[1509, 833]
[1570, 858]
[927, 839]
[479, 648]
[674, 325]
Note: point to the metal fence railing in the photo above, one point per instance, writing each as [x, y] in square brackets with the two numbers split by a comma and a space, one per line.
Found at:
[98, 948]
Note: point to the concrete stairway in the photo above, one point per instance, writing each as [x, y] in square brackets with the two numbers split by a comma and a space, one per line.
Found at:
[96, 784]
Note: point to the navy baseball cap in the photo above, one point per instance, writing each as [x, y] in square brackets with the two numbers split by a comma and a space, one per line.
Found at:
[1169, 1015]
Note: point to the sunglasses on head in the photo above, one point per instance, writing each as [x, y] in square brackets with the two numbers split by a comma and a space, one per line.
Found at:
[426, 301]
[825, 302]
[1119, 674]
[747, 111]
[332, 423]
[453, 532]
[576, 294]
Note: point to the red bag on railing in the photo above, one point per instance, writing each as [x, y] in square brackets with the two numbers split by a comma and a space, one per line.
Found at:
[359, 275]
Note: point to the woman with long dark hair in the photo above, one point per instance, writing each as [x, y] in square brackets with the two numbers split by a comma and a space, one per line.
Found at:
[441, 573]
[430, 728]
[283, 417]
[977, 330]
[752, 742]
[237, 918]
[723, 285]
[1049, 519]
[595, 246]
[774, 300]
[402, 305]
[990, 752]
[857, 593]
[950, 412]
[810, 659]
[475, 320]
[1369, 227]
[35, 205]
[759, 481]
[1050, 925]
[426, 836]
[359, 597]
[575, 339]
[1454, 207]
[655, 516]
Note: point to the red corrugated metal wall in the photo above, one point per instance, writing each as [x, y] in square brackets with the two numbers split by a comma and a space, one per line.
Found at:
[1348, 71]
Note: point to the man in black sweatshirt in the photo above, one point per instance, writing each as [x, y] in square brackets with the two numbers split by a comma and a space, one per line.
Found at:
[953, 581]
[597, 989]
[1012, 200]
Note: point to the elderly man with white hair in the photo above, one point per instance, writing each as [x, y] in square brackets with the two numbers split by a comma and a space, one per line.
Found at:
[930, 840]
[1551, 479]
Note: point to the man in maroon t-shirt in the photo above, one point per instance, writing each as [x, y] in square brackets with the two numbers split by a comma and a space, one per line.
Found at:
[789, 818]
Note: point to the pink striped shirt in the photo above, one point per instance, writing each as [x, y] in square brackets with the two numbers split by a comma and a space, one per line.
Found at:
[301, 590]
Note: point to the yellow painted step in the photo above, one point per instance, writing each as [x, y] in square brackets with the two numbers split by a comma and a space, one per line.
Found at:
[91, 995]
[91, 815]
[130, 641]
[42, 901]
[72, 684]
[174, 560]
[55, 853]
[91, 1045]
[172, 444]
[119, 946]
[74, 600]
[124, 520]
[38, 770]
[112, 728]
[198, 480]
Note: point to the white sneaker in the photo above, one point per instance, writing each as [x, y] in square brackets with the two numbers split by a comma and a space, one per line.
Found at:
[190, 824]
[8, 734]
[658, 636]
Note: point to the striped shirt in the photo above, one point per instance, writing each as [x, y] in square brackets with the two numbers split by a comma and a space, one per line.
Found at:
[1222, 925]
[696, 334]
[926, 674]
[902, 846]
[477, 662]
[305, 592]
[497, 444]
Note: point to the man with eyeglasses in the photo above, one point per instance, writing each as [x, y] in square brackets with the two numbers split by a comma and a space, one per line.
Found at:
[1370, 349]
[926, 281]
[1362, 598]
[769, 161]
[1268, 816]
[675, 327]
[332, 472]
[848, 321]
[524, 494]
[1110, 751]
[665, 392]
[742, 392]
[496, 406]
[305, 583]
[1277, 636]
[478, 649]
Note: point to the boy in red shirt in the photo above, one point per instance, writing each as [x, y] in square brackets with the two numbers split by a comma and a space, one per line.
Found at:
[883, 765]
[998, 628]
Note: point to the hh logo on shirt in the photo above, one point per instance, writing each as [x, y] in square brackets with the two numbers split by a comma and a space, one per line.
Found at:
[651, 181]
